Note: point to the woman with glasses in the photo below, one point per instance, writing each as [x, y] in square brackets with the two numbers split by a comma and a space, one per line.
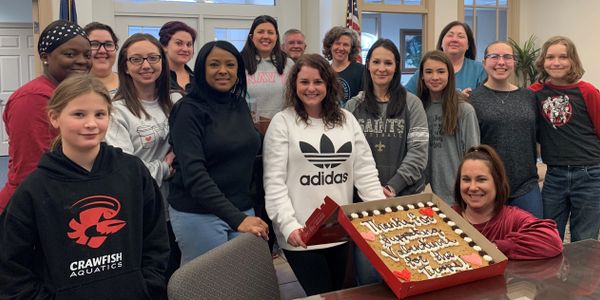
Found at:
[139, 121]
[177, 38]
[507, 121]
[104, 43]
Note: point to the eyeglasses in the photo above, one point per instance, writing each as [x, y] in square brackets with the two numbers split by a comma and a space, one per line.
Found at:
[139, 60]
[496, 57]
[108, 46]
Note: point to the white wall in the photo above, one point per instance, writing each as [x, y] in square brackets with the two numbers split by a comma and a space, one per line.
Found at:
[576, 19]
[15, 11]
[445, 12]
[317, 17]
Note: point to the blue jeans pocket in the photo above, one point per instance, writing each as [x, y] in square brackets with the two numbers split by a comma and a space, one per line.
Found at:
[593, 172]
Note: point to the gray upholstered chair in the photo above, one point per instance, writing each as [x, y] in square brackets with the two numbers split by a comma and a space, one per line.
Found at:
[239, 269]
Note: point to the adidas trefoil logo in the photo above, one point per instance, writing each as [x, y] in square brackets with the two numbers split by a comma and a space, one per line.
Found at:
[327, 157]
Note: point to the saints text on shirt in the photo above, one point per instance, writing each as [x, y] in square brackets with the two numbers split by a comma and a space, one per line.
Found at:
[382, 127]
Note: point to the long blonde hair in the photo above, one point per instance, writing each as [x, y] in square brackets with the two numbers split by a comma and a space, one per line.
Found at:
[73, 87]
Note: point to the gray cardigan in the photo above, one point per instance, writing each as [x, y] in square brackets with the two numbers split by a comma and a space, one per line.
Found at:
[400, 155]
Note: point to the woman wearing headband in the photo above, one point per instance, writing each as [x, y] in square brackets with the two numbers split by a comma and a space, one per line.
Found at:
[64, 49]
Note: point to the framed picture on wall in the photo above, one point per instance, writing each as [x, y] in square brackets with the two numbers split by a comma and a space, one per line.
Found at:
[410, 49]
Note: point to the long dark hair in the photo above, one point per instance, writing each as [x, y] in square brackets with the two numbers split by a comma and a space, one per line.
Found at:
[127, 90]
[396, 91]
[494, 162]
[450, 97]
[332, 114]
[472, 51]
[249, 52]
[200, 87]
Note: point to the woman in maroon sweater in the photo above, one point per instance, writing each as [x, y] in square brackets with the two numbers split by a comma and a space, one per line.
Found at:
[481, 189]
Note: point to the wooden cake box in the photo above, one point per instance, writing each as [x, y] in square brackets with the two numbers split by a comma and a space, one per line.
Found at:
[332, 223]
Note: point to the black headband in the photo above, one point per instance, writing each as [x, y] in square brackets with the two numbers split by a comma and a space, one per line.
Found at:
[56, 35]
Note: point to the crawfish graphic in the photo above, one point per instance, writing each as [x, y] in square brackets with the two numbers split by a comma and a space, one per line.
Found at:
[94, 220]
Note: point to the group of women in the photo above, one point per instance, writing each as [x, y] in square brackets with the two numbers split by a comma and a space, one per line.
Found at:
[197, 138]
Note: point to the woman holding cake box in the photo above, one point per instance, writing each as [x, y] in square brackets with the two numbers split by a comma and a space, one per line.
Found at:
[481, 190]
[313, 149]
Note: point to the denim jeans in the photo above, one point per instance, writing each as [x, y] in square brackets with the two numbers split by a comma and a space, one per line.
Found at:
[574, 191]
[365, 272]
[531, 201]
[197, 234]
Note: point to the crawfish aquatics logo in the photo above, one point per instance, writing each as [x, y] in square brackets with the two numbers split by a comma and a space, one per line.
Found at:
[94, 221]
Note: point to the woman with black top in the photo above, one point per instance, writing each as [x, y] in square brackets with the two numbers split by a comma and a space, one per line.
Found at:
[177, 39]
[340, 45]
[215, 144]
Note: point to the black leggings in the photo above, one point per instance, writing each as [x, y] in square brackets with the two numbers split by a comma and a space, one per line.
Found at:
[175, 255]
[320, 271]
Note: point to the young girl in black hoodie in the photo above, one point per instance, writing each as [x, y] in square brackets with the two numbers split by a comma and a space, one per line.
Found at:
[88, 223]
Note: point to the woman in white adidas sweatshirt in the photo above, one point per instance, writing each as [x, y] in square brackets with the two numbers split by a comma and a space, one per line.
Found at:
[313, 149]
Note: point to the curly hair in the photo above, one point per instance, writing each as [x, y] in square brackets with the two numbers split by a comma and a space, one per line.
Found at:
[331, 114]
[333, 35]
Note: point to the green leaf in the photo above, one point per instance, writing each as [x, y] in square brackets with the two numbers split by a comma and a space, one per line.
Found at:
[526, 56]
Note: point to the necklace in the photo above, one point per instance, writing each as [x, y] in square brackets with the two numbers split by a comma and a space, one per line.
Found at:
[500, 89]
[464, 214]
[501, 99]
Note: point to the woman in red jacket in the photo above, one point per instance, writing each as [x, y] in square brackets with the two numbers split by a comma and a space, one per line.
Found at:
[481, 189]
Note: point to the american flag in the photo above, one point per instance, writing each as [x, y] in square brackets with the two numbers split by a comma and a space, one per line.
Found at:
[68, 11]
[352, 16]
[352, 23]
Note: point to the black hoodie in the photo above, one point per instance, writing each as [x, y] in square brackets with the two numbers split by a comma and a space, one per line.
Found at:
[72, 234]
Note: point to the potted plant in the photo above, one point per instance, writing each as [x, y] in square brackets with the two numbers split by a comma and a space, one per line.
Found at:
[525, 56]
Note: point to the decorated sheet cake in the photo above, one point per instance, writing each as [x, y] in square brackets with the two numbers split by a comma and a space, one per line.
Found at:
[418, 241]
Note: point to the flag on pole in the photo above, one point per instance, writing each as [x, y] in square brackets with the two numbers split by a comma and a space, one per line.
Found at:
[68, 11]
[352, 16]
[353, 23]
